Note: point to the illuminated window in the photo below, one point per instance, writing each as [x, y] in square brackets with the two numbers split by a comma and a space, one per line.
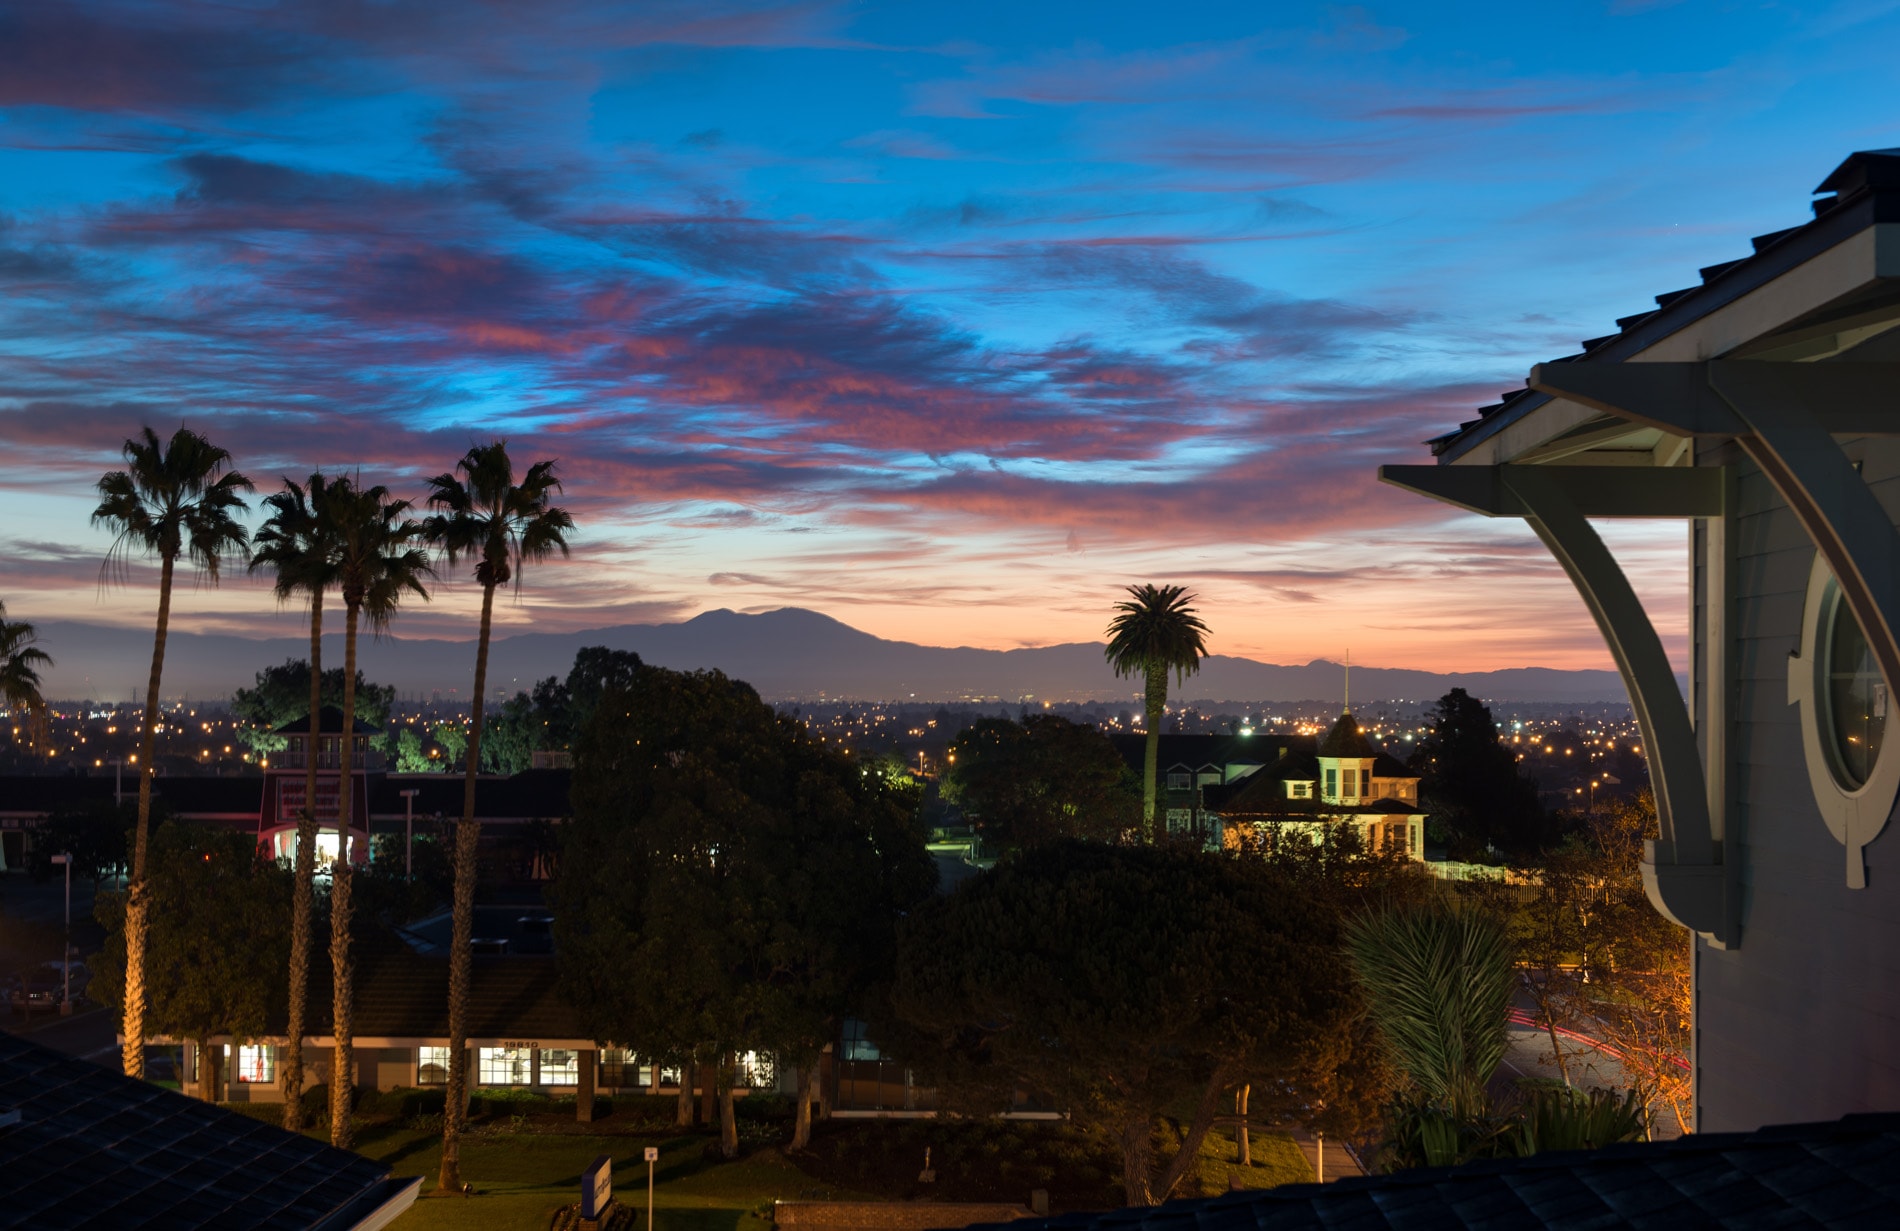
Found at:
[506, 1066]
[1352, 782]
[1856, 698]
[670, 1075]
[558, 1066]
[257, 1065]
[756, 1071]
[432, 1067]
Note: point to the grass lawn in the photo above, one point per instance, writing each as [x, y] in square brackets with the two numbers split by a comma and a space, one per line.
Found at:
[524, 1168]
[522, 1178]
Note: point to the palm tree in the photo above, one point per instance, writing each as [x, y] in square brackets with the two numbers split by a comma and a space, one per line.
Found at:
[378, 563]
[20, 662]
[483, 514]
[173, 498]
[1156, 632]
[295, 542]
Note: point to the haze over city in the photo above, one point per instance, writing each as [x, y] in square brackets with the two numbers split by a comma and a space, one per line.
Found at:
[945, 323]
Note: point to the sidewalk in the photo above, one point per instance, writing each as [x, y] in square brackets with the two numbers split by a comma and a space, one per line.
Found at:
[1339, 1162]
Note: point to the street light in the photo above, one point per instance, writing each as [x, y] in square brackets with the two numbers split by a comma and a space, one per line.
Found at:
[66, 951]
[408, 832]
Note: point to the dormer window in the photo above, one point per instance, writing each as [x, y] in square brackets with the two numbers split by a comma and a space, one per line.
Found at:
[1332, 783]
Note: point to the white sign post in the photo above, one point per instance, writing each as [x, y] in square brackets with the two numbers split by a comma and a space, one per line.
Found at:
[653, 1156]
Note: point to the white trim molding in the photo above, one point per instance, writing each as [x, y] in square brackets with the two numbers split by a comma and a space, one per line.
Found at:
[1855, 815]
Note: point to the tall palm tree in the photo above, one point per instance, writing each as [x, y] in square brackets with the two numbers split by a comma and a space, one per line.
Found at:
[20, 662]
[484, 514]
[1154, 633]
[173, 498]
[379, 561]
[296, 543]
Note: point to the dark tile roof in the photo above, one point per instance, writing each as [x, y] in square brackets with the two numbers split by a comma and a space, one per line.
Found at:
[530, 794]
[1838, 1174]
[1865, 190]
[329, 722]
[1187, 753]
[94, 1148]
[405, 995]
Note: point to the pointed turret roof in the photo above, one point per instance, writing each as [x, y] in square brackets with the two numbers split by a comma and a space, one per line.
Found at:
[1346, 740]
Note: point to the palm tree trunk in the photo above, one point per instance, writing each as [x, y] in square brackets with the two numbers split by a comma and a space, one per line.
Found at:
[463, 926]
[303, 888]
[136, 904]
[1152, 806]
[343, 1006]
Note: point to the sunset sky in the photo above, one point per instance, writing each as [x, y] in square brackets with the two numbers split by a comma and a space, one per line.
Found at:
[945, 319]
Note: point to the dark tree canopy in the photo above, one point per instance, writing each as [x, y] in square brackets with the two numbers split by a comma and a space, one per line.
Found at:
[1119, 981]
[1044, 779]
[282, 694]
[1470, 782]
[726, 882]
[220, 928]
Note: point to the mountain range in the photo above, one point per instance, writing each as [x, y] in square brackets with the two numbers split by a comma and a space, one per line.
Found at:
[788, 654]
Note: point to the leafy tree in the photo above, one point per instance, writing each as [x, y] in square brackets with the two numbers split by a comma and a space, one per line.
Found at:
[510, 737]
[483, 514]
[1040, 781]
[1155, 633]
[297, 544]
[221, 915]
[379, 563]
[727, 883]
[1470, 782]
[282, 694]
[411, 756]
[93, 834]
[1116, 982]
[176, 498]
[453, 737]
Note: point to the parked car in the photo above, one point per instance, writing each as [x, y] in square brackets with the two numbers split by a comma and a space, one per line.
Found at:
[44, 985]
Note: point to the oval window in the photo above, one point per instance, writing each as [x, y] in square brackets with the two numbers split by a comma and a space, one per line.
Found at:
[1856, 698]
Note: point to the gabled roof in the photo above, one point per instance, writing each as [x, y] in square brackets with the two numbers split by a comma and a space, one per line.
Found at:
[1842, 1173]
[1865, 191]
[329, 722]
[94, 1148]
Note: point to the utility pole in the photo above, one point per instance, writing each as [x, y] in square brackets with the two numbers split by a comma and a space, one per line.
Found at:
[653, 1156]
[409, 833]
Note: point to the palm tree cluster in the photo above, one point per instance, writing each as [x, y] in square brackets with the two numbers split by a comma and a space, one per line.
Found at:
[181, 499]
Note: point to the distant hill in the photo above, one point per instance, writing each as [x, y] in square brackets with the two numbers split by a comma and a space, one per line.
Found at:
[786, 654]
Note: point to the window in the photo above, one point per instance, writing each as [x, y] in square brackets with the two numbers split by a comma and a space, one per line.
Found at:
[432, 1066]
[1332, 784]
[621, 1069]
[1856, 698]
[505, 1066]
[256, 1065]
[670, 1075]
[1180, 782]
[558, 1066]
[1352, 782]
[756, 1071]
[854, 1046]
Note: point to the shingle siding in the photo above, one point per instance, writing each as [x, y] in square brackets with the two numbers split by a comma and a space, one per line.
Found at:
[1799, 1021]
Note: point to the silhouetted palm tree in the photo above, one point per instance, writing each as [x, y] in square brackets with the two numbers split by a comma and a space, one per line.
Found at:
[1156, 632]
[483, 514]
[173, 498]
[378, 561]
[295, 542]
[20, 662]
